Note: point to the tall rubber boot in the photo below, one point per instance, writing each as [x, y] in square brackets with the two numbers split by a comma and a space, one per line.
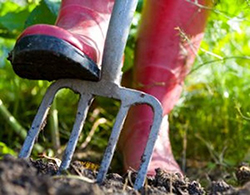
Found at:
[72, 48]
[168, 39]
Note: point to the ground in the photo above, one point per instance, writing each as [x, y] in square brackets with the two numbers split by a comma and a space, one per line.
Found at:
[22, 177]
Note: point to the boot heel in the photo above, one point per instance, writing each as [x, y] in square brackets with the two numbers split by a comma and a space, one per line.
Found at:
[43, 57]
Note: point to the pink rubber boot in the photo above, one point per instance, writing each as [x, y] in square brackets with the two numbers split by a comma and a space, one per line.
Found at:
[169, 37]
[72, 48]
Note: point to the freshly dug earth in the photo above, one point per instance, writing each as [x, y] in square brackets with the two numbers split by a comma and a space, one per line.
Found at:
[22, 177]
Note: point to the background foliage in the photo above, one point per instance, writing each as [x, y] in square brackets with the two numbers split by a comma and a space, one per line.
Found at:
[209, 126]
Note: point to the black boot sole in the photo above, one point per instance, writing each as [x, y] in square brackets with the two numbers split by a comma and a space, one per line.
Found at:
[42, 57]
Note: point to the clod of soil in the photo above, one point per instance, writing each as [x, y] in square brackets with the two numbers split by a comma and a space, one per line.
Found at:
[19, 176]
[243, 173]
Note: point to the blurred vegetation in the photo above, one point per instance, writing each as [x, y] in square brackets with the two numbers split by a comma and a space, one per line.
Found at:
[209, 125]
[211, 121]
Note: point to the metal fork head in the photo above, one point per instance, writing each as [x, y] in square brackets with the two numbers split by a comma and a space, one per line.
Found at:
[87, 91]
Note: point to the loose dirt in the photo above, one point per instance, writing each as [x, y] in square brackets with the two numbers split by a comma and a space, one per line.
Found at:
[22, 177]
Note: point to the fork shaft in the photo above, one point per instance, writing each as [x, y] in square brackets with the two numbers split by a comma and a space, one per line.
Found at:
[115, 43]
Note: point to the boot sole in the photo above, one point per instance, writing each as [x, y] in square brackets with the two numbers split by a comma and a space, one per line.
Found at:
[43, 57]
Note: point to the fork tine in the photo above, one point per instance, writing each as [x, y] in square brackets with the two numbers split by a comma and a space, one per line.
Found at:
[38, 121]
[82, 110]
[128, 98]
[109, 152]
[147, 155]
[133, 97]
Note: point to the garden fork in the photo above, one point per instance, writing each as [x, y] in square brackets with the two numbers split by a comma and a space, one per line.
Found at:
[108, 86]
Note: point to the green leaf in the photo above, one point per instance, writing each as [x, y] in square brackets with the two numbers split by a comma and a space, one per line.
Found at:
[53, 6]
[13, 18]
[45, 13]
[139, 6]
[129, 59]
[14, 21]
[8, 7]
[6, 150]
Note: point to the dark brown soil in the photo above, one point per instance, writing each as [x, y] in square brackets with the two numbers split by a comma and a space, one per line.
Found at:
[22, 177]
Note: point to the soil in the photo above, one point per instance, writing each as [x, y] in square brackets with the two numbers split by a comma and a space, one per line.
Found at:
[22, 177]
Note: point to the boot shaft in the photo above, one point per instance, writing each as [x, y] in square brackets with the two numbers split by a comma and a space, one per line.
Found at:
[100, 6]
[88, 20]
